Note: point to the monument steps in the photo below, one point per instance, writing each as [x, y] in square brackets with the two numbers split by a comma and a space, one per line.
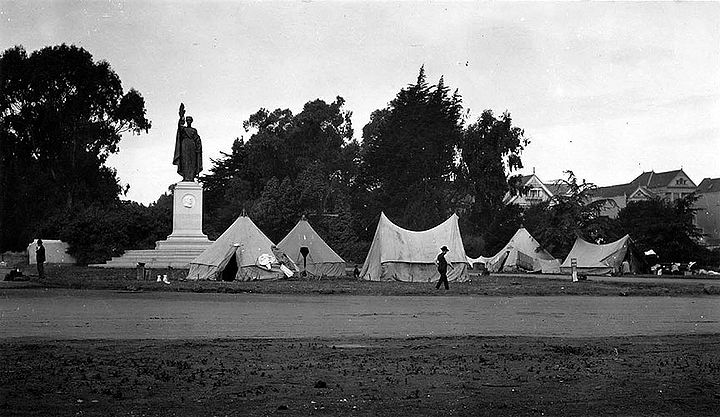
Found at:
[166, 252]
[154, 258]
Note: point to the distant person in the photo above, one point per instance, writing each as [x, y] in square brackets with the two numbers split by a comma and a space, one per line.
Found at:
[356, 272]
[40, 259]
[442, 266]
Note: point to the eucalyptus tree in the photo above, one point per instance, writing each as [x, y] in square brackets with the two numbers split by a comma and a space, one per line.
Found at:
[61, 115]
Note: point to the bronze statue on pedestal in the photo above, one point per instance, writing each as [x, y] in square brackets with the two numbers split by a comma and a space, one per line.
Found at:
[188, 148]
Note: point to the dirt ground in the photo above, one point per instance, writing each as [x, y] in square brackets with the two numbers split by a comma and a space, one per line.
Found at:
[459, 375]
[493, 376]
[494, 285]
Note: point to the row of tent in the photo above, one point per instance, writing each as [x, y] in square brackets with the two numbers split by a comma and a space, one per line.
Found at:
[524, 254]
[235, 254]
[396, 254]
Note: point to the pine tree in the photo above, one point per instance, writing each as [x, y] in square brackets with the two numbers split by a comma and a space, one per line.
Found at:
[408, 156]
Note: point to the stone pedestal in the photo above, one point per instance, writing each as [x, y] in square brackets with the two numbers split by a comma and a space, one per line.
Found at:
[184, 244]
[187, 217]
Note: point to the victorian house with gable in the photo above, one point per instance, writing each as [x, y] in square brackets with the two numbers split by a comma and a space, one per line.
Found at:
[670, 186]
[534, 192]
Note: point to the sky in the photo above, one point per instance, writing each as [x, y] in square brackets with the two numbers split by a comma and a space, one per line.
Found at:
[607, 90]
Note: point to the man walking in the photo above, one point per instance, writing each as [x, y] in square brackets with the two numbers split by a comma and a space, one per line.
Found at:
[40, 259]
[442, 266]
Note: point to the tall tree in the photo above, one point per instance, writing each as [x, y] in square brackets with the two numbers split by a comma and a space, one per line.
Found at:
[491, 150]
[408, 156]
[291, 165]
[62, 115]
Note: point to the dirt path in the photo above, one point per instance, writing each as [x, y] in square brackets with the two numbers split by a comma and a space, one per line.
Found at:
[456, 376]
[67, 314]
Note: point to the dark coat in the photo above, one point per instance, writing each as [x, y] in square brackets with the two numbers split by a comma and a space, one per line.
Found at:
[40, 254]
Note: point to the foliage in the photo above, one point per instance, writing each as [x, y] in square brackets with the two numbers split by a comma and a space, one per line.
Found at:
[490, 150]
[98, 232]
[292, 165]
[506, 221]
[558, 222]
[663, 226]
[62, 115]
[408, 157]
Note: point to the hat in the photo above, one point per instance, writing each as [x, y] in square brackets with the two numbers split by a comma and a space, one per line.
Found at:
[444, 248]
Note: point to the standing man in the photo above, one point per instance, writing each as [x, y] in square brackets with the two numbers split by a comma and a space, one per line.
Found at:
[442, 266]
[40, 259]
[188, 148]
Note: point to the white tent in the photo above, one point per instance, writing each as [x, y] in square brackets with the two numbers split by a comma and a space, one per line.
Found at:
[404, 255]
[320, 259]
[595, 259]
[55, 252]
[234, 255]
[521, 253]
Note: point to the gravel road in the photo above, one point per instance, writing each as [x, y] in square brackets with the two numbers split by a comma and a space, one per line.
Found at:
[75, 314]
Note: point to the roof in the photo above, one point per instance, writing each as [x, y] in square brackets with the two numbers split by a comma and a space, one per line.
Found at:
[525, 179]
[614, 190]
[645, 181]
[709, 185]
[557, 187]
[654, 179]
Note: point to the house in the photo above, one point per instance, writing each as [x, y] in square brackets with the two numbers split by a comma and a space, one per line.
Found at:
[707, 216]
[534, 192]
[670, 186]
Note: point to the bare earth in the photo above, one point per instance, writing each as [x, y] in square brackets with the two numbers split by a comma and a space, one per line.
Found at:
[170, 353]
[489, 376]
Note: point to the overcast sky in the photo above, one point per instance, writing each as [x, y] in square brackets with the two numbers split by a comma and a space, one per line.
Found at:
[608, 90]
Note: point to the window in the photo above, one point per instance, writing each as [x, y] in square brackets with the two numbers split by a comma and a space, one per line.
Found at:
[535, 194]
[680, 181]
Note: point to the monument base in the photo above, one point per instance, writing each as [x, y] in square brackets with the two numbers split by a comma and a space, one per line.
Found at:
[184, 244]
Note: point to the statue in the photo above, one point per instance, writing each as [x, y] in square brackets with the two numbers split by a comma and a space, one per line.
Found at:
[188, 148]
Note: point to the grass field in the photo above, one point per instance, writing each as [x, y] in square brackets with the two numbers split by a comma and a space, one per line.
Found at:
[495, 285]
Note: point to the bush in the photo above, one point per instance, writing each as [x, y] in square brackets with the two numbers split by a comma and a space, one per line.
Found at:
[97, 233]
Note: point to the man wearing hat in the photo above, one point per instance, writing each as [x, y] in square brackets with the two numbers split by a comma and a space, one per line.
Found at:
[40, 259]
[442, 266]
